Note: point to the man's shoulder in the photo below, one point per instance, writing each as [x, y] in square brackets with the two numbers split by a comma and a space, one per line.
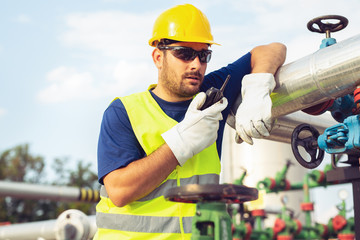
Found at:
[117, 102]
[135, 96]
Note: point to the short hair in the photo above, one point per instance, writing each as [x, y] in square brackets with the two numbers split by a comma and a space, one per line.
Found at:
[165, 41]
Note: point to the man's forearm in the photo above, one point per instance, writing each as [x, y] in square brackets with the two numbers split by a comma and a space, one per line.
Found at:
[267, 58]
[140, 177]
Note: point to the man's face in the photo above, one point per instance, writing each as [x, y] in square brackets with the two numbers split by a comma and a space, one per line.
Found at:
[179, 78]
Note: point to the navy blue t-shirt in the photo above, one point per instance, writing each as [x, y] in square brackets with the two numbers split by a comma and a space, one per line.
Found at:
[118, 146]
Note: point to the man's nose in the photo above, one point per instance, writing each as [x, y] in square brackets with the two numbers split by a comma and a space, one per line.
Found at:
[196, 64]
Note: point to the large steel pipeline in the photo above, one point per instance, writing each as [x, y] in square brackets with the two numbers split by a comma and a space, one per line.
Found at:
[56, 193]
[328, 73]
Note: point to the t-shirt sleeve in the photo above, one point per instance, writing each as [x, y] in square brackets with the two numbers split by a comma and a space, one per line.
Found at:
[117, 145]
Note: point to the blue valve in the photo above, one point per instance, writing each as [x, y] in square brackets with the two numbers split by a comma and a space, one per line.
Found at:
[327, 42]
[342, 138]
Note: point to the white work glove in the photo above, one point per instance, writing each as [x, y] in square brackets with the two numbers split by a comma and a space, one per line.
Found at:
[253, 117]
[198, 129]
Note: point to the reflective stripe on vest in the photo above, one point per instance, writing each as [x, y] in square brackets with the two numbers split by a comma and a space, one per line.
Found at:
[171, 183]
[152, 217]
[135, 223]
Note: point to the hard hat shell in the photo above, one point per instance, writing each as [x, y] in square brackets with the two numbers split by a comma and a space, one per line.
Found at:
[183, 23]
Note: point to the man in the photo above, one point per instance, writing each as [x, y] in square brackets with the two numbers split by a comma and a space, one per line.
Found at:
[158, 139]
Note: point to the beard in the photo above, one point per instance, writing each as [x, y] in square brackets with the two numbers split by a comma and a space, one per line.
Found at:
[177, 85]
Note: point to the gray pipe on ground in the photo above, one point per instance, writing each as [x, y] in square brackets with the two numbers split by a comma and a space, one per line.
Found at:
[71, 224]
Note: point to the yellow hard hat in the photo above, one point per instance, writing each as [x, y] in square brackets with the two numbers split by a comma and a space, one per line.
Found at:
[184, 23]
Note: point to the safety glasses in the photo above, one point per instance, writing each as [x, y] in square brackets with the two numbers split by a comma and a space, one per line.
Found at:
[187, 53]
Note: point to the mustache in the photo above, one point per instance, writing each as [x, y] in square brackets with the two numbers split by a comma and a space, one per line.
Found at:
[193, 73]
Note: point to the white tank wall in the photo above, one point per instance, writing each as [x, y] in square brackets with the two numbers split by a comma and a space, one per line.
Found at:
[263, 159]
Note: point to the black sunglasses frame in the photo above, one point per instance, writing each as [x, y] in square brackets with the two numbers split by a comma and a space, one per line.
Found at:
[187, 53]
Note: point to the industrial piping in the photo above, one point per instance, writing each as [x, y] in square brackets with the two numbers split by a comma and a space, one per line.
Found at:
[327, 74]
[71, 224]
[56, 193]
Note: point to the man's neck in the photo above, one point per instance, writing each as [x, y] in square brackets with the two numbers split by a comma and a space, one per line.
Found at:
[167, 95]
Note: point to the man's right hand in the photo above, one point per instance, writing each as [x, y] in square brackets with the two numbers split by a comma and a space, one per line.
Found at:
[198, 129]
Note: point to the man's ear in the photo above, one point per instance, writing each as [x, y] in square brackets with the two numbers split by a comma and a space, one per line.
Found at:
[157, 56]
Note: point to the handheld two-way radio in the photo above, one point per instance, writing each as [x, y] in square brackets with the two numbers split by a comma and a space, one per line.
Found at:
[213, 95]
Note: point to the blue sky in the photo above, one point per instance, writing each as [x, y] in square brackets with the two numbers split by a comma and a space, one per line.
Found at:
[62, 62]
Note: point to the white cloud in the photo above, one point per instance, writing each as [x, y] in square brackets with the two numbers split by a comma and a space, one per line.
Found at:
[134, 77]
[22, 18]
[3, 112]
[112, 33]
[102, 36]
[67, 84]
[116, 1]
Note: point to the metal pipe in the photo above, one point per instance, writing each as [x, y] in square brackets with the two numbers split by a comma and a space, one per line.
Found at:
[284, 126]
[25, 231]
[328, 73]
[56, 193]
[71, 222]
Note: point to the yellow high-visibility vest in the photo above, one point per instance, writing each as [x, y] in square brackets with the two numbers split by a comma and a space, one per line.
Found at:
[152, 217]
